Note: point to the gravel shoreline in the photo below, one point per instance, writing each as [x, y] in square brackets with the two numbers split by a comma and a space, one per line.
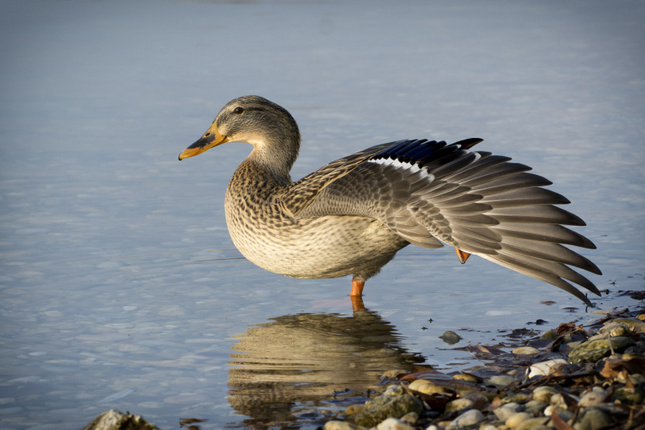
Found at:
[572, 377]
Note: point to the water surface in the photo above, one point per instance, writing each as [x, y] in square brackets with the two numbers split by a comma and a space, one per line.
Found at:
[119, 285]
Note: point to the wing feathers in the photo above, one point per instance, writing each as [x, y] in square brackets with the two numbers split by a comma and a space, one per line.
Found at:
[475, 201]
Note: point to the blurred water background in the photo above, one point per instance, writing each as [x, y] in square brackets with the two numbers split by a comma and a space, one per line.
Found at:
[119, 285]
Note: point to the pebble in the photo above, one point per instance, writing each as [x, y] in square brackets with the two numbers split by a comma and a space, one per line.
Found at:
[545, 368]
[592, 419]
[565, 415]
[516, 419]
[592, 398]
[592, 351]
[450, 337]
[501, 380]
[468, 418]
[459, 404]
[525, 350]
[535, 406]
[393, 403]
[393, 424]
[538, 423]
[615, 328]
[544, 394]
[426, 387]
[506, 411]
[339, 425]
[410, 418]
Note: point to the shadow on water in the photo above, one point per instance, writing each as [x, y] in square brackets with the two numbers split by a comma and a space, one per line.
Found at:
[293, 367]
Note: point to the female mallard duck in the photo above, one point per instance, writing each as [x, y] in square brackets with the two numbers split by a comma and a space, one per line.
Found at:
[352, 216]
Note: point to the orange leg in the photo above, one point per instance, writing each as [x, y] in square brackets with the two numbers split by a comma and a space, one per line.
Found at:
[356, 295]
[357, 287]
[462, 255]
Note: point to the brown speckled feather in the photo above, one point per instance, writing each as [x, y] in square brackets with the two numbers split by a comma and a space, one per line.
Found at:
[351, 216]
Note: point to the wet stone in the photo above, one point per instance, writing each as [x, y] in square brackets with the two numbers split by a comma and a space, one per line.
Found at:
[459, 404]
[592, 398]
[501, 380]
[506, 411]
[468, 418]
[525, 350]
[394, 403]
[450, 337]
[394, 424]
[592, 351]
[593, 419]
[544, 394]
[115, 420]
[535, 406]
[630, 396]
[538, 423]
[339, 425]
[410, 418]
[426, 387]
[545, 368]
[516, 419]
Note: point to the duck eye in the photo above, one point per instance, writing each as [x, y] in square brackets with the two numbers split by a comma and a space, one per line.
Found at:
[238, 110]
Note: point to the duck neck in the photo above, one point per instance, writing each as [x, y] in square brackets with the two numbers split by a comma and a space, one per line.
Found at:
[276, 156]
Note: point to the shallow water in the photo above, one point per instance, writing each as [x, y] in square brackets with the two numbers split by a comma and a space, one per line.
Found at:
[119, 285]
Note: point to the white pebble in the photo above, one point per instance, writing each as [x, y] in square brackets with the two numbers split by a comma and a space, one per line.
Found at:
[545, 368]
[525, 350]
[544, 394]
[393, 424]
[504, 412]
[515, 420]
[593, 398]
[468, 418]
[501, 380]
[339, 425]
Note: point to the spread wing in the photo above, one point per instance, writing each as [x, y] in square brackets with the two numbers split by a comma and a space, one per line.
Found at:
[430, 192]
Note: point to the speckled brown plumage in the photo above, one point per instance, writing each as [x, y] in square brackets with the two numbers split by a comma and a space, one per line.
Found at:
[353, 215]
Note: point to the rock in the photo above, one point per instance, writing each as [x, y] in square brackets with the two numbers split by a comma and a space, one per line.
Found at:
[426, 387]
[393, 424]
[525, 350]
[354, 409]
[594, 397]
[535, 407]
[394, 403]
[450, 337]
[565, 415]
[506, 411]
[466, 377]
[593, 351]
[516, 419]
[551, 334]
[545, 368]
[593, 419]
[538, 423]
[515, 398]
[458, 405]
[501, 380]
[544, 394]
[629, 395]
[613, 329]
[410, 418]
[115, 420]
[468, 418]
[339, 425]
[533, 423]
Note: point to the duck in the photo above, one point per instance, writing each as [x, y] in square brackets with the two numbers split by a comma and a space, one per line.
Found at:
[352, 216]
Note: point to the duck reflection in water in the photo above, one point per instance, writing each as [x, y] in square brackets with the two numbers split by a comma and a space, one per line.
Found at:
[298, 362]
